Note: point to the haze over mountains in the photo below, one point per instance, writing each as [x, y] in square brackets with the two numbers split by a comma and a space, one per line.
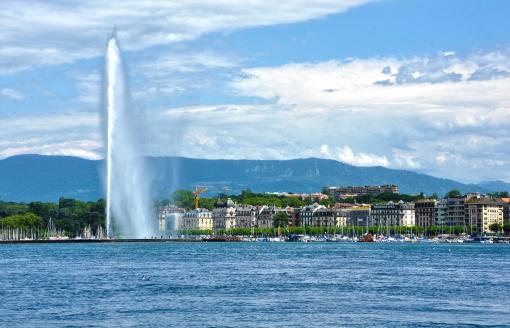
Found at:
[46, 178]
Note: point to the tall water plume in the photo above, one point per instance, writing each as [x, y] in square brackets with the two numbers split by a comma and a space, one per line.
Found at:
[128, 213]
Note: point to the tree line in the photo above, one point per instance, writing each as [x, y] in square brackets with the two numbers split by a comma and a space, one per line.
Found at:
[69, 215]
[348, 230]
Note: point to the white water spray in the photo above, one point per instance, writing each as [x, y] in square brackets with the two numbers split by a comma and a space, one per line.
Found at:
[128, 213]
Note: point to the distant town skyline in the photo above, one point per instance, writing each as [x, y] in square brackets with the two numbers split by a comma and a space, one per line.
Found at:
[418, 85]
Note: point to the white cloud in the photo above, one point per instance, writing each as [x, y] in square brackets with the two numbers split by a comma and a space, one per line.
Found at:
[405, 159]
[454, 128]
[449, 109]
[11, 94]
[38, 33]
[325, 151]
[346, 155]
[354, 85]
[187, 63]
[78, 148]
[440, 159]
[73, 134]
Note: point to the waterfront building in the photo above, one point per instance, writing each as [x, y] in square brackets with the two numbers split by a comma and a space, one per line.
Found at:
[265, 216]
[483, 212]
[385, 214]
[321, 216]
[425, 211]
[359, 216]
[306, 214]
[407, 214]
[456, 215]
[393, 214]
[293, 213]
[342, 216]
[246, 216]
[224, 215]
[197, 219]
[324, 217]
[441, 212]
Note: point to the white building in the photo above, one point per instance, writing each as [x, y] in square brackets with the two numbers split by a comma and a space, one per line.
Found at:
[197, 219]
[393, 214]
[224, 215]
[407, 214]
[483, 212]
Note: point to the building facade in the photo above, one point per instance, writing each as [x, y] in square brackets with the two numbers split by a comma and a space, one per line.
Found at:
[325, 217]
[393, 214]
[484, 212]
[441, 212]
[407, 214]
[456, 215]
[359, 216]
[246, 216]
[224, 215]
[385, 214]
[265, 216]
[425, 211]
[306, 214]
[197, 219]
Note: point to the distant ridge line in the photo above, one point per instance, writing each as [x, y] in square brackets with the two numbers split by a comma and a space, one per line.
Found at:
[32, 177]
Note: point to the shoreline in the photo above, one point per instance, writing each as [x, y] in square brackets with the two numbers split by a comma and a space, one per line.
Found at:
[77, 241]
[180, 240]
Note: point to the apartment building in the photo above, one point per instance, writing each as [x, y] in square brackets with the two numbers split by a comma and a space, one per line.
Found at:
[483, 212]
[197, 219]
[425, 211]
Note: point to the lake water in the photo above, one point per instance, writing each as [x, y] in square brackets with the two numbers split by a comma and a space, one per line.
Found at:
[254, 285]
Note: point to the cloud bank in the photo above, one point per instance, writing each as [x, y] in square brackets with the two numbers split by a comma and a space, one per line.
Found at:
[36, 33]
[444, 114]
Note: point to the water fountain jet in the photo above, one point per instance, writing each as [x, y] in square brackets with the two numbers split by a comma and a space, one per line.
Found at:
[128, 213]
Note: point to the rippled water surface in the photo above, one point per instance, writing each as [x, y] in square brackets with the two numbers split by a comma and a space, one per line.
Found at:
[254, 285]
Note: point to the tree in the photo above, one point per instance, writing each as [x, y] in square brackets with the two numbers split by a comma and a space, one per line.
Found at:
[499, 194]
[281, 219]
[506, 228]
[206, 203]
[28, 220]
[495, 227]
[183, 198]
[247, 193]
[10, 208]
[327, 202]
[453, 193]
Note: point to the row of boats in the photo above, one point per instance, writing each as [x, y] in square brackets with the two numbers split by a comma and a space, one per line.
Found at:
[367, 238]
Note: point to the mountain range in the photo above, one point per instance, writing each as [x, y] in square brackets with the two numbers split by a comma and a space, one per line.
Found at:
[46, 178]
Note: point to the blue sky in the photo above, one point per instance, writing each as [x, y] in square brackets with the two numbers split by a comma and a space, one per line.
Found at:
[410, 84]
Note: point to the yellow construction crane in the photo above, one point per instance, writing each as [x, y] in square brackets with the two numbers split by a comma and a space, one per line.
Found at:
[197, 192]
